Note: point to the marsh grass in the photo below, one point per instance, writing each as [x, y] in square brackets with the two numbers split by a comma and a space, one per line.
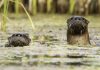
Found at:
[72, 4]
[34, 6]
[29, 17]
[5, 11]
[16, 7]
[26, 12]
[49, 5]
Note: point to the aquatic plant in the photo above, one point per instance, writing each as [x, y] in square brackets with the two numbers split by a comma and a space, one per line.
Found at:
[49, 5]
[16, 7]
[29, 17]
[5, 11]
[34, 7]
[72, 4]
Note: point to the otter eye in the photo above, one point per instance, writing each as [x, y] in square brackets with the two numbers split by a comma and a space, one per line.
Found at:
[14, 35]
[20, 35]
[85, 20]
[17, 34]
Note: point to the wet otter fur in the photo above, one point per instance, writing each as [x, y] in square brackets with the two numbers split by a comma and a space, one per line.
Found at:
[18, 39]
[77, 31]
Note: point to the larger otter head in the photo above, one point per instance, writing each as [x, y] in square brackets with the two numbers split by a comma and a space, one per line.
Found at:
[77, 25]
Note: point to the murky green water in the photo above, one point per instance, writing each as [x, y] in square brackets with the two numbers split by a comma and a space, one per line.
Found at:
[48, 48]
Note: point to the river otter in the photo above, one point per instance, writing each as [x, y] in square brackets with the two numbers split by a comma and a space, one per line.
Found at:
[77, 32]
[18, 39]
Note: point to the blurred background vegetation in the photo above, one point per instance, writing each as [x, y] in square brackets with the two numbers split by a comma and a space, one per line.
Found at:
[33, 7]
[81, 7]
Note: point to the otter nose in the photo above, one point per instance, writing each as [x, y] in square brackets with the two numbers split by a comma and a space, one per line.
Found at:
[77, 19]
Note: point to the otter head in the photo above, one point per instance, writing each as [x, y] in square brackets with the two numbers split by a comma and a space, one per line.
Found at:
[77, 25]
[19, 39]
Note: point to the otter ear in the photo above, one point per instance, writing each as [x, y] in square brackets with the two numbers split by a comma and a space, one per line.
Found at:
[85, 20]
[69, 20]
[13, 35]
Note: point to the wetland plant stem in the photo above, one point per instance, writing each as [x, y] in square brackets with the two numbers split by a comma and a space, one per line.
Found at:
[29, 17]
[5, 11]
[16, 7]
[34, 7]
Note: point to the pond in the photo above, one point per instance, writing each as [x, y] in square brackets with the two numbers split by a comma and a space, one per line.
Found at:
[48, 48]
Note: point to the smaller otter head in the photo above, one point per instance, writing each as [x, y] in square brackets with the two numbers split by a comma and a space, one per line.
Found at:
[77, 25]
[19, 39]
